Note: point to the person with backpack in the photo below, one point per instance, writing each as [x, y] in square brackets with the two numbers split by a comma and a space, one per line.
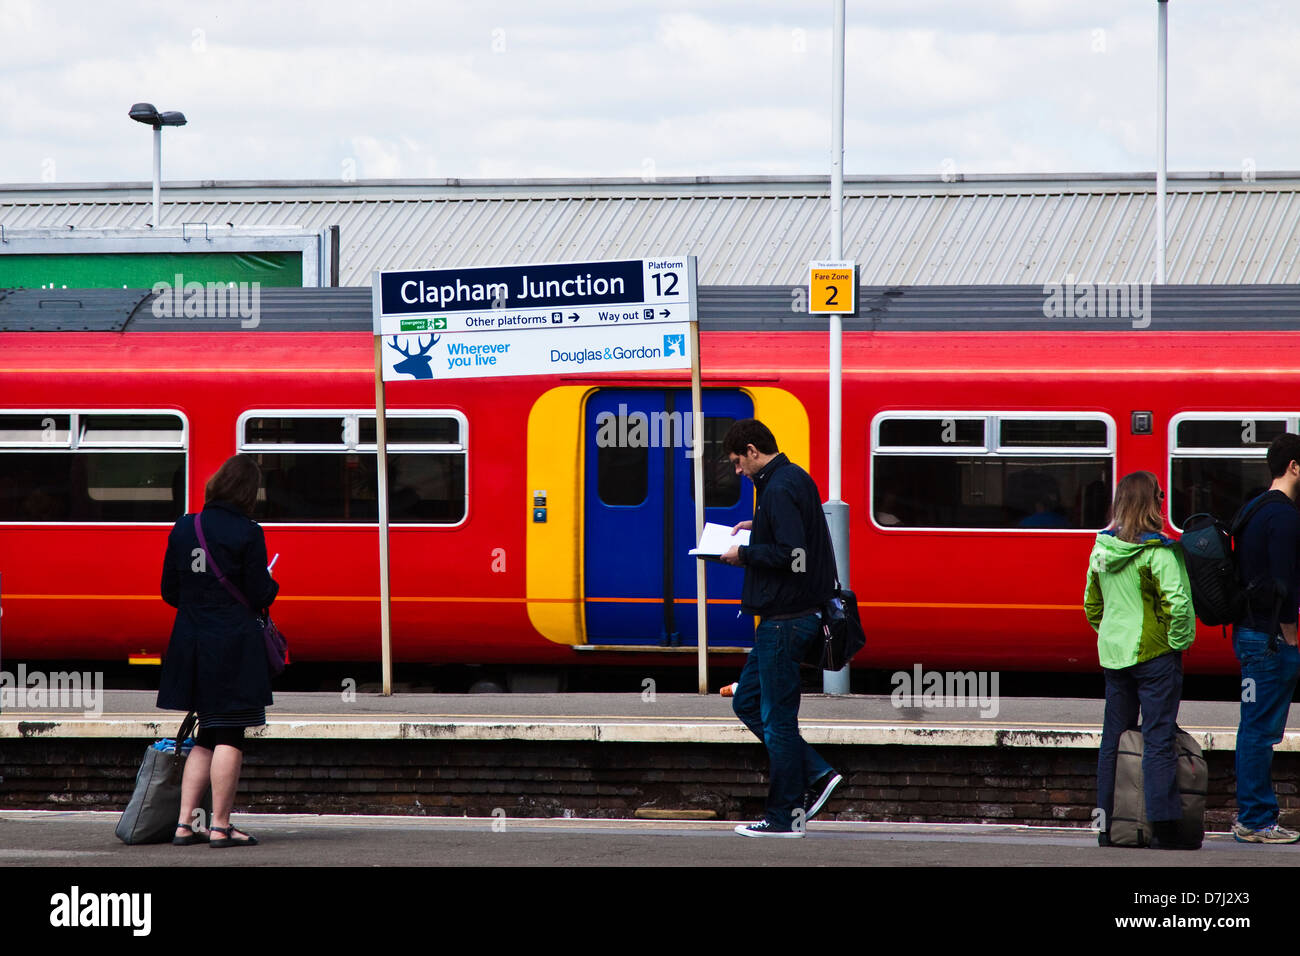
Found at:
[1138, 599]
[1264, 640]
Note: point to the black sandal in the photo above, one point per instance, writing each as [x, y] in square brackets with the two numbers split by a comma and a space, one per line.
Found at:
[190, 838]
[229, 840]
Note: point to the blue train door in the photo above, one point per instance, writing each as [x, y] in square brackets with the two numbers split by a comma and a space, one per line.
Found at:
[640, 518]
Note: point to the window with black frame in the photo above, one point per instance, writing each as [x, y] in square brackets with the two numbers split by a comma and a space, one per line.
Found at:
[92, 466]
[1218, 461]
[996, 471]
[721, 483]
[322, 467]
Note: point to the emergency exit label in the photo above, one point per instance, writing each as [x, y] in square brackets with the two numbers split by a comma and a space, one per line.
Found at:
[832, 288]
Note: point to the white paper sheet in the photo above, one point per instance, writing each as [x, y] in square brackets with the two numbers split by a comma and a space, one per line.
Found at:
[718, 540]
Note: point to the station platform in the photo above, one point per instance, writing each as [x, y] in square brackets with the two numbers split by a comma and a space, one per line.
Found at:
[867, 720]
[1025, 761]
[43, 838]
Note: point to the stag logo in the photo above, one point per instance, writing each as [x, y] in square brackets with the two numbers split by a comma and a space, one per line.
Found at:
[417, 365]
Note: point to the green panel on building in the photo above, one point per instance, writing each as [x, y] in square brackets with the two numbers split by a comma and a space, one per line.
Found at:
[140, 270]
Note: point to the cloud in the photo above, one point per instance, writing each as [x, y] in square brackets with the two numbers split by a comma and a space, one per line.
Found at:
[510, 89]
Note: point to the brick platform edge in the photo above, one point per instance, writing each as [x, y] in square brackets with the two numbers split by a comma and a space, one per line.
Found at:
[527, 779]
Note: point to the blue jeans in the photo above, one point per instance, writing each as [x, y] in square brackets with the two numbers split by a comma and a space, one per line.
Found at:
[767, 702]
[1264, 707]
[1155, 687]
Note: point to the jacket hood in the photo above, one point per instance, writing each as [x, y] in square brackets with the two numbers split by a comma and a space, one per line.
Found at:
[1110, 554]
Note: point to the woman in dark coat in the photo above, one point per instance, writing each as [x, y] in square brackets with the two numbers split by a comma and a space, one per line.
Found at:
[216, 659]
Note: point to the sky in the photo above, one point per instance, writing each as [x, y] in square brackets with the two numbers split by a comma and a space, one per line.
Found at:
[502, 90]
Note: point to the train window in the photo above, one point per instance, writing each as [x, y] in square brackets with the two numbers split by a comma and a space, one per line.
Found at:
[323, 487]
[1228, 433]
[622, 474]
[323, 430]
[323, 467]
[1217, 461]
[1052, 433]
[35, 429]
[924, 432]
[413, 431]
[130, 430]
[121, 467]
[1046, 473]
[721, 483]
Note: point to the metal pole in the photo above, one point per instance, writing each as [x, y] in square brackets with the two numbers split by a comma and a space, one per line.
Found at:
[837, 512]
[1162, 104]
[837, 241]
[697, 449]
[157, 176]
[381, 482]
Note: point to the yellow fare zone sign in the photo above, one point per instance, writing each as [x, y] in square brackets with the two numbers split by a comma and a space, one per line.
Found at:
[832, 288]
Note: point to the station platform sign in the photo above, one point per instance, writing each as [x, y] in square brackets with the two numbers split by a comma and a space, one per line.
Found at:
[538, 319]
[430, 356]
[535, 297]
[832, 288]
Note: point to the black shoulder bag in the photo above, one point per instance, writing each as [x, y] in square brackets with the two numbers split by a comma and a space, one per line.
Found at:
[842, 634]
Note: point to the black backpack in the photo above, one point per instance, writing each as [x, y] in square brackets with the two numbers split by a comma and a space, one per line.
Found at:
[1218, 596]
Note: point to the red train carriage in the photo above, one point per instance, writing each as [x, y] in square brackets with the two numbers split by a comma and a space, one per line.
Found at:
[982, 442]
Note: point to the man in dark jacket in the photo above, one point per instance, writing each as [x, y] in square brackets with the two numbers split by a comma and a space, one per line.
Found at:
[789, 575]
[1268, 553]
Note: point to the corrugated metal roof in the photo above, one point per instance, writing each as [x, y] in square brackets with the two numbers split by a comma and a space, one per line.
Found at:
[751, 231]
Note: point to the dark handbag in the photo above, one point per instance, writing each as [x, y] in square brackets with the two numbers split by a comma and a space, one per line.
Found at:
[151, 813]
[277, 646]
[842, 635]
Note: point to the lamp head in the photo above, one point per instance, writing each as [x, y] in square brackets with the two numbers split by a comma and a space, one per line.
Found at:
[146, 113]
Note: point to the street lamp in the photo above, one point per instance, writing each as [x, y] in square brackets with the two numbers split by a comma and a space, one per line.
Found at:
[146, 113]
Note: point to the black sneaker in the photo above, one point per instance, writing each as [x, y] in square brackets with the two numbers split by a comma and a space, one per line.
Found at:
[815, 797]
[765, 829]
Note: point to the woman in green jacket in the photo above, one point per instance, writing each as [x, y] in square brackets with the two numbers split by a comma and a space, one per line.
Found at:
[1139, 601]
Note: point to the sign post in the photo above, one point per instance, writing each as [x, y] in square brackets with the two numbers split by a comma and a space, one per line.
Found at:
[381, 502]
[697, 453]
[833, 291]
[626, 315]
